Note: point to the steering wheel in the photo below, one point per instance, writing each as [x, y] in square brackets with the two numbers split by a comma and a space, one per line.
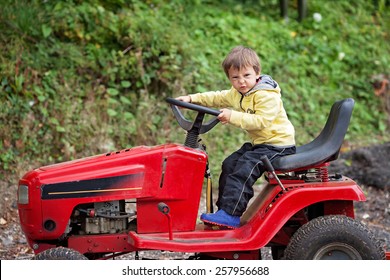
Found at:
[186, 124]
[196, 127]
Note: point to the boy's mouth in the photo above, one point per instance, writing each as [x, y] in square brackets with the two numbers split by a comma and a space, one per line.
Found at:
[243, 89]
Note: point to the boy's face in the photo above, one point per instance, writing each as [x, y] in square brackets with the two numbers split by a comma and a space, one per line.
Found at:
[243, 79]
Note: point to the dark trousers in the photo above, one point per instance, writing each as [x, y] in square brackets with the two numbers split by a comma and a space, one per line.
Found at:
[239, 173]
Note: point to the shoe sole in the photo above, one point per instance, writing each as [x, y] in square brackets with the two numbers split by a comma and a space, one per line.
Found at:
[217, 224]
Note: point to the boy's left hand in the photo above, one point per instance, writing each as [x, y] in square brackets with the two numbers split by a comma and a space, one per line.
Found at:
[224, 116]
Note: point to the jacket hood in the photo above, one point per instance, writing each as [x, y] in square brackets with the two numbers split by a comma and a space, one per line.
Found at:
[265, 82]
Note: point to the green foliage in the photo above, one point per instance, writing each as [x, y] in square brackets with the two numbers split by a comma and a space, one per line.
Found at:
[85, 77]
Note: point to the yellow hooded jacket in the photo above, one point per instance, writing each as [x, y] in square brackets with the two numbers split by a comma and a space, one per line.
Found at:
[260, 112]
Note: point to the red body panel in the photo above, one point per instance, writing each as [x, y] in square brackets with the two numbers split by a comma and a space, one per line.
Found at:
[104, 243]
[180, 189]
[55, 190]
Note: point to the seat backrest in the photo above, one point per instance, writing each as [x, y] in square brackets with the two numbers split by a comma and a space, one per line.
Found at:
[326, 146]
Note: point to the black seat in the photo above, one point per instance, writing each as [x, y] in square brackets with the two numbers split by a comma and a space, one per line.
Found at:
[326, 146]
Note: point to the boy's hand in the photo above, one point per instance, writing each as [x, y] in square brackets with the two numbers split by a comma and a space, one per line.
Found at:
[224, 116]
[185, 98]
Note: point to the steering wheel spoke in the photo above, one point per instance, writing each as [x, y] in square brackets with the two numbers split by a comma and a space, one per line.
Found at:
[183, 122]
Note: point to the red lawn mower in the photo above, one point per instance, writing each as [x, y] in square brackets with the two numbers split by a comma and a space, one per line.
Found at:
[148, 198]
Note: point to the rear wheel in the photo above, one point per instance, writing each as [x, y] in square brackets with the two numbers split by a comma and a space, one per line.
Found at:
[60, 253]
[334, 238]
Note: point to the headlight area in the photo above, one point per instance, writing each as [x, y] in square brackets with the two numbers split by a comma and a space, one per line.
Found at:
[23, 194]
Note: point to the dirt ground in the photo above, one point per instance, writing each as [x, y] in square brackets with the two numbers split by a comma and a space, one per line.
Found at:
[370, 167]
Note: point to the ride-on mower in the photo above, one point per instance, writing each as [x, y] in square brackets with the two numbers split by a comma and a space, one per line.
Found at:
[148, 198]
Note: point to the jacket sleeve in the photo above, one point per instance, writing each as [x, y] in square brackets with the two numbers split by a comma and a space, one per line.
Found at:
[267, 107]
[212, 98]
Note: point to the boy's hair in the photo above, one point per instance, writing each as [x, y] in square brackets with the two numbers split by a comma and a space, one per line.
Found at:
[240, 57]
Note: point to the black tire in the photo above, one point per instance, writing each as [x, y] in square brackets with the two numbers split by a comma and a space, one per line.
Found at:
[334, 238]
[60, 253]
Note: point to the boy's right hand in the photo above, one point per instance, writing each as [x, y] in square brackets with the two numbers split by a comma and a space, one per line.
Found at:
[185, 98]
[224, 116]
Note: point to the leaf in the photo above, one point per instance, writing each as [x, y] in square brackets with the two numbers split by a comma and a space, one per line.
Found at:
[125, 84]
[112, 113]
[54, 121]
[113, 101]
[60, 128]
[125, 100]
[41, 98]
[128, 116]
[112, 91]
[46, 30]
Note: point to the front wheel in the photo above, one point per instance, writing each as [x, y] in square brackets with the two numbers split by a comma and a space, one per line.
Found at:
[334, 238]
[60, 253]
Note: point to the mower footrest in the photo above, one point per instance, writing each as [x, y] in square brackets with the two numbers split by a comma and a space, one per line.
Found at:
[190, 242]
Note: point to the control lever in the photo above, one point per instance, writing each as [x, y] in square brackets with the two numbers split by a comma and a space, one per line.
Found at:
[268, 166]
[163, 208]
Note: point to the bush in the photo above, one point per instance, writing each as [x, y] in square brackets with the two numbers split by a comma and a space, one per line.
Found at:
[85, 77]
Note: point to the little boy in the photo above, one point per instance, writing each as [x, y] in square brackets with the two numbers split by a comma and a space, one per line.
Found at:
[257, 107]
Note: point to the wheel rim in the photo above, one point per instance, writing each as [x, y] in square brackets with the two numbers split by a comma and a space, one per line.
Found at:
[337, 251]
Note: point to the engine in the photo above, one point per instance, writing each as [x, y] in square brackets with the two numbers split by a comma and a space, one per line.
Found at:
[101, 218]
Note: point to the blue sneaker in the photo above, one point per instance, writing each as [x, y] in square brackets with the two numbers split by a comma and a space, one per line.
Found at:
[221, 218]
